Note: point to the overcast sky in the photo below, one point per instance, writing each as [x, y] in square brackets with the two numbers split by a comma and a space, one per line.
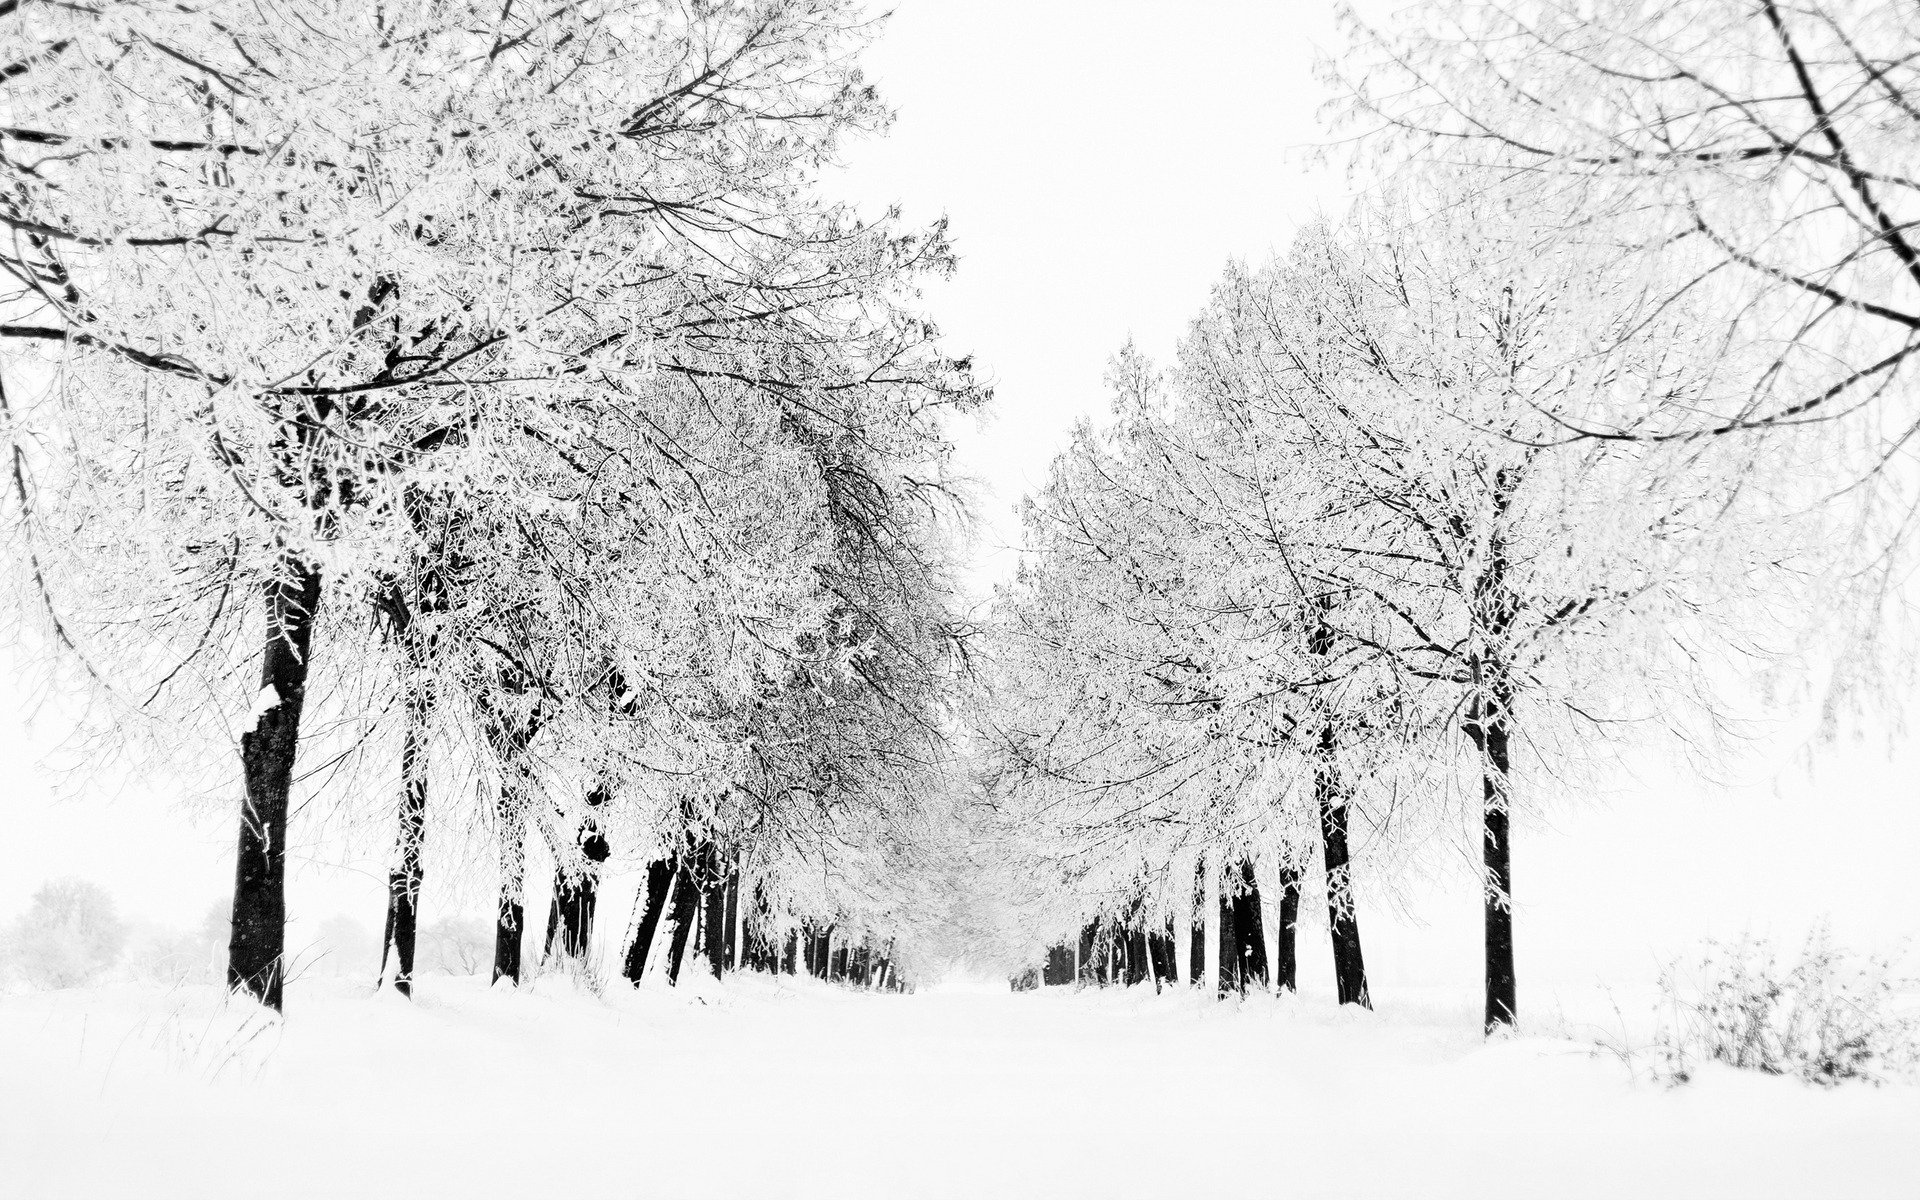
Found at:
[1101, 163]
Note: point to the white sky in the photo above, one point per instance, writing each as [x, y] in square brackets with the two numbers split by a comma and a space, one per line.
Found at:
[1100, 163]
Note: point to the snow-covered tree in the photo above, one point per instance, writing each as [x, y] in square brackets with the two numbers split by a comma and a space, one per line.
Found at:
[520, 329]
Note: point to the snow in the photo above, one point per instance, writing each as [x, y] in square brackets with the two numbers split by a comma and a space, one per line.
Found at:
[791, 1088]
[264, 701]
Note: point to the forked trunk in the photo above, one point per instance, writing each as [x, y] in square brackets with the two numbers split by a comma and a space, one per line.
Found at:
[255, 951]
[577, 895]
[659, 887]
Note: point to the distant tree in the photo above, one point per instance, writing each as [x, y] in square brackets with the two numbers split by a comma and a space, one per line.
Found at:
[456, 946]
[69, 935]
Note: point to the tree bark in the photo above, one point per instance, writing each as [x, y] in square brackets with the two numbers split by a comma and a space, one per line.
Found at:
[256, 948]
[509, 913]
[1285, 969]
[822, 947]
[686, 902]
[1138, 957]
[575, 896]
[1250, 937]
[714, 921]
[659, 887]
[733, 919]
[1503, 1005]
[1349, 967]
[403, 882]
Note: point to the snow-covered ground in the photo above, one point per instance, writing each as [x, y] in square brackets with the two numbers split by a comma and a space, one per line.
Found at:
[793, 1089]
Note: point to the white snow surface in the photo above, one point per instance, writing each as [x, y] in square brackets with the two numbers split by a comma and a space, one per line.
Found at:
[787, 1088]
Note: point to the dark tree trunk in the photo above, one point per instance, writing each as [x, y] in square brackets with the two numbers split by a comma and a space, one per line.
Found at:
[1503, 1006]
[732, 950]
[1250, 931]
[791, 965]
[403, 882]
[1489, 725]
[659, 887]
[570, 919]
[1349, 968]
[1285, 971]
[837, 965]
[686, 903]
[1059, 969]
[509, 739]
[1229, 939]
[1137, 957]
[715, 923]
[509, 915]
[817, 959]
[255, 950]
[1160, 954]
[1088, 970]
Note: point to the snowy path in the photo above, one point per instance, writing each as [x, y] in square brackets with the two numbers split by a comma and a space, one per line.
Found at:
[798, 1091]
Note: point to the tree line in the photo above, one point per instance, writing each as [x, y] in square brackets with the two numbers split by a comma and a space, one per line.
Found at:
[475, 415]
[1598, 395]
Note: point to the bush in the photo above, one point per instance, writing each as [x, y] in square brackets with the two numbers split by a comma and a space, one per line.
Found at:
[69, 935]
[1825, 1018]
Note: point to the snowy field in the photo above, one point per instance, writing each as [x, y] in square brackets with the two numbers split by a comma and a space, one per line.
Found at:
[765, 1089]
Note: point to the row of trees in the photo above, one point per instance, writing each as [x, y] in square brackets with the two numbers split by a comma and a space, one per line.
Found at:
[483, 396]
[1599, 390]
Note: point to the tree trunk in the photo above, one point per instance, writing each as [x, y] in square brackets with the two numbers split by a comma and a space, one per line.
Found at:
[1162, 954]
[659, 887]
[1138, 964]
[1250, 934]
[256, 948]
[714, 923]
[1059, 970]
[733, 919]
[576, 895]
[509, 914]
[1229, 939]
[1349, 968]
[686, 902]
[1285, 970]
[1086, 969]
[1503, 1006]
[403, 882]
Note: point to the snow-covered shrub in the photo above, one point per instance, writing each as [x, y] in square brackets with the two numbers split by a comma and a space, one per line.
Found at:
[1826, 1017]
[69, 935]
